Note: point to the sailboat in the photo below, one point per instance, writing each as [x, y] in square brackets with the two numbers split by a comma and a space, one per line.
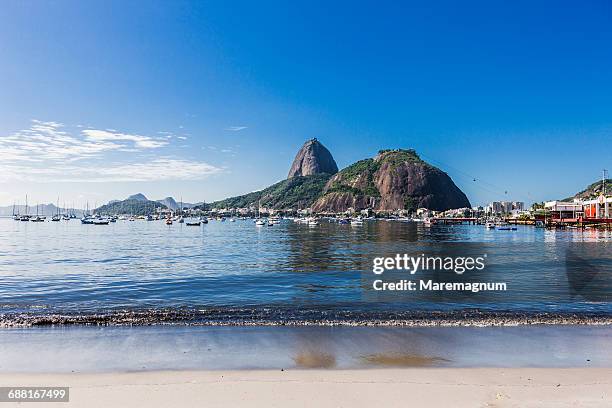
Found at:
[259, 222]
[65, 215]
[57, 216]
[38, 218]
[181, 219]
[25, 217]
[16, 216]
[87, 219]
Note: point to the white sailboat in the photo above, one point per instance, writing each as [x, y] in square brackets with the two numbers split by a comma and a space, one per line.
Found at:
[16, 216]
[56, 217]
[259, 222]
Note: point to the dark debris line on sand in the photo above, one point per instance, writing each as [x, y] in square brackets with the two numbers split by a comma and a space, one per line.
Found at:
[272, 317]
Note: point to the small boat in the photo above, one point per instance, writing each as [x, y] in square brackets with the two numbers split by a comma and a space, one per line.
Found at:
[232, 220]
[356, 221]
[193, 223]
[313, 222]
[506, 228]
[149, 218]
[56, 218]
[87, 220]
[204, 220]
[101, 221]
[259, 222]
[489, 225]
[168, 221]
[181, 220]
[24, 218]
[343, 221]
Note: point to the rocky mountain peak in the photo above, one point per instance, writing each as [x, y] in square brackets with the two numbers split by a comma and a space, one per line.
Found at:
[138, 197]
[313, 158]
[393, 180]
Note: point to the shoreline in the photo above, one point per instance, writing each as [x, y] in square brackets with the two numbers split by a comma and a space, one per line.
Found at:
[270, 318]
[435, 387]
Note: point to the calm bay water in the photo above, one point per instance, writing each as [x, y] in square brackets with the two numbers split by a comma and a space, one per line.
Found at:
[285, 271]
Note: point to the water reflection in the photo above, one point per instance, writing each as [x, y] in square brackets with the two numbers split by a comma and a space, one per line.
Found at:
[67, 266]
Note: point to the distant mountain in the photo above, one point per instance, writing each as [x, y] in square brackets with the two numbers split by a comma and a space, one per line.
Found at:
[169, 202]
[43, 209]
[136, 204]
[138, 197]
[592, 191]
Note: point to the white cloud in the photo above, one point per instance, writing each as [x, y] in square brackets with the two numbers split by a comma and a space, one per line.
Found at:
[47, 141]
[143, 142]
[46, 152]
[235, 128]
[160, 169]
[164, 168]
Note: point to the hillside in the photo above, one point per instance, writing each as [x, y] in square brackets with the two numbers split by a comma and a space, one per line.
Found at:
[593, 190]
[132, 206]
[394, 179]
[297, 192]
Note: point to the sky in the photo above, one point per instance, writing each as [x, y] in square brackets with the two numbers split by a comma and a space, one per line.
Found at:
[205, 100]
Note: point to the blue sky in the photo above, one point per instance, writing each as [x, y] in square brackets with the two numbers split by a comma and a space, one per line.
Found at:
[203, 100]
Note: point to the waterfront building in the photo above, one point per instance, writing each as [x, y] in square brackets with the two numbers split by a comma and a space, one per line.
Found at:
[600, 207]
[559, 210]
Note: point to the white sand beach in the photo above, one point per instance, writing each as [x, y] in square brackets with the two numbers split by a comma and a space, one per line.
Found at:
[430, 387]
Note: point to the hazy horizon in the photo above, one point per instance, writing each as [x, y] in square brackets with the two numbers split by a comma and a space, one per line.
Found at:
[206, 101]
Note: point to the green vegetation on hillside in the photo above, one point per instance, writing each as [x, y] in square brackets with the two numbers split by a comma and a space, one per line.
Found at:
[295, 193]
[133, 207]
[366, 168]
[349, 175]
[593, 190]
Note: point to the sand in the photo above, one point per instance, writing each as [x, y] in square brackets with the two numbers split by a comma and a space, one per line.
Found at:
[428, 387]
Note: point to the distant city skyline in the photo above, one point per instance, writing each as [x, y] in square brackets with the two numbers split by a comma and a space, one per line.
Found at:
[203, 101]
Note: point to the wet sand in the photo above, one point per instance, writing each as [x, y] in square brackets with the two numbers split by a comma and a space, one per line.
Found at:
[431, 387]
[189, 348]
